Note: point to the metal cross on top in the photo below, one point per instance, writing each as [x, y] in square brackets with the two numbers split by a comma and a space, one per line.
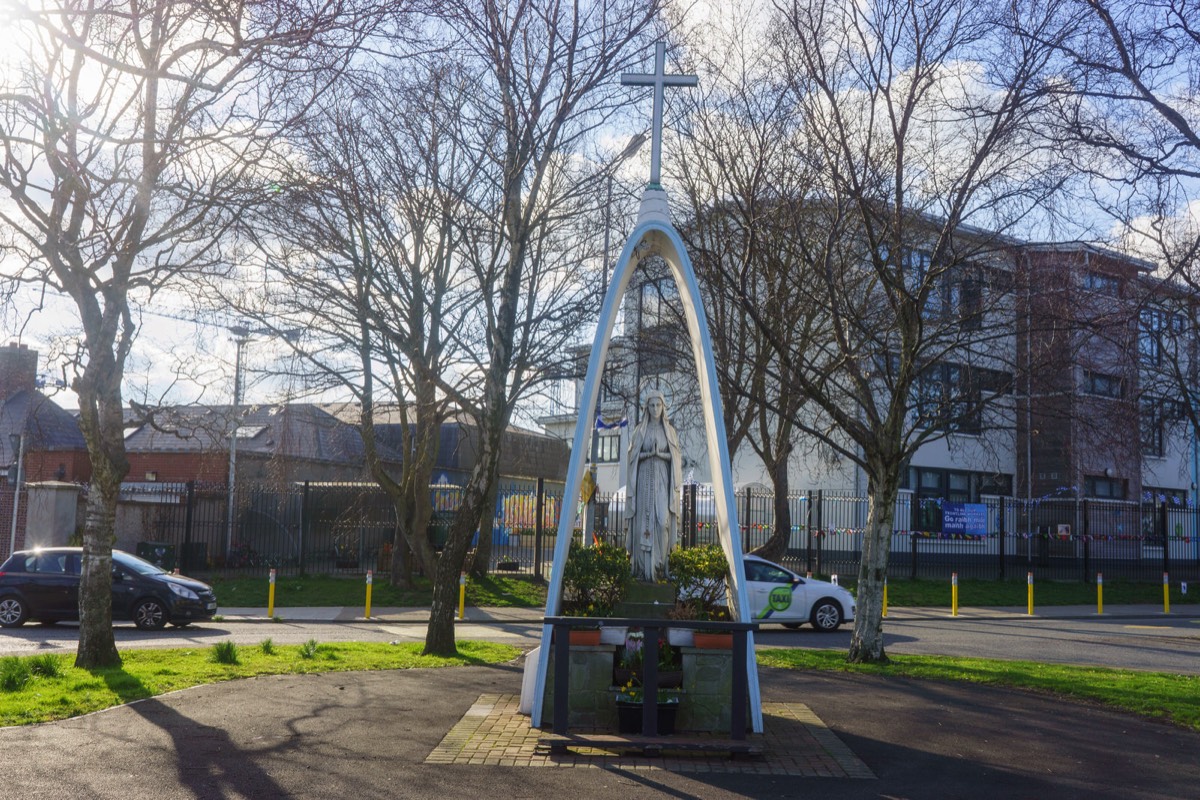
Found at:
[658, 79]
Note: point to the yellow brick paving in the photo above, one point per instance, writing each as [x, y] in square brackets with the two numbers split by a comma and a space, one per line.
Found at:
[795, 742]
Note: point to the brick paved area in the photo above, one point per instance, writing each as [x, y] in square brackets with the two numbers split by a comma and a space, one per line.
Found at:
[795, 742]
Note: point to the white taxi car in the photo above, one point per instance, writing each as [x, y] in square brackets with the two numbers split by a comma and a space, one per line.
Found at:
[779, 595]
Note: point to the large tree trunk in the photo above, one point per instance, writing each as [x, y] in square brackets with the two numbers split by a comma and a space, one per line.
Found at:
[866, 644]
[102, 424]
[777, 544]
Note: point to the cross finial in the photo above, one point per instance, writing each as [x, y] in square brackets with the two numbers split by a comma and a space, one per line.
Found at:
[659, 80]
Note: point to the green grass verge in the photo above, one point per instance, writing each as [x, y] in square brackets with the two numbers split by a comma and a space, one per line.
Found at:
[983, 593]
[42, 697]
[1158, 695]
[501, 591]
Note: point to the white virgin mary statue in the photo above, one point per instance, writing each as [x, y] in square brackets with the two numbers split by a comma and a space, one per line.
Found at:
[655, 474]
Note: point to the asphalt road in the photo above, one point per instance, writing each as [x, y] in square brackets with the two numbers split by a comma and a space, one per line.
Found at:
[1168, 643]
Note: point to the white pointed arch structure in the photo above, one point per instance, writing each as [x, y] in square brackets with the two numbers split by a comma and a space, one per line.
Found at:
[655, 236]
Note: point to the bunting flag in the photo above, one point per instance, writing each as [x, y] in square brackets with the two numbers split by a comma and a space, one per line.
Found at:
[601, 425]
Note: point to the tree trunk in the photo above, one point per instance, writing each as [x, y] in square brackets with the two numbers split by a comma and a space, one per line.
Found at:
[487, 522]
[102, 424]
[776, 546]
[866, 643]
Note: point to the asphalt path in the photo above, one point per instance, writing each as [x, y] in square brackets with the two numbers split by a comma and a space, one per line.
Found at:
[1155, 642]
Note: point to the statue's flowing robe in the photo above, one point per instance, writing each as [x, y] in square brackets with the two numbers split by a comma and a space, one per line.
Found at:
[653, 497]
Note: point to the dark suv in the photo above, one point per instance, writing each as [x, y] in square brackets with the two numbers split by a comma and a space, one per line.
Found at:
[43, 584]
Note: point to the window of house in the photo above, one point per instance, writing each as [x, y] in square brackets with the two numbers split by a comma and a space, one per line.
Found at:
[1100, 384]
[608, 448]
[1101, 282]
[1106, 488]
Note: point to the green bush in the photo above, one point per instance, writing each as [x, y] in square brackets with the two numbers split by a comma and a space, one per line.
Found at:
[267, 646]
[46, 665]
[14, 673]
[595, 579]
[700, 575]
[225, 653]
[309, 649]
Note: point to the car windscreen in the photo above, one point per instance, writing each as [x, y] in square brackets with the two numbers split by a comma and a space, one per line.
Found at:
[136, 564]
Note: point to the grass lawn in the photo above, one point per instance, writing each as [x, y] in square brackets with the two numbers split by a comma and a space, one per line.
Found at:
[502, 591]
[1013, 593]
[1158, 695]
[47, 687]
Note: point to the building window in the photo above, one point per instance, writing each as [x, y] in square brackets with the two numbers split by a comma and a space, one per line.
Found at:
[1152, 421]
[659, 303]
[608, 448]
[610, 383]
[947, 397]
[1100, 282]
[1172, 497]
[1098, 383]
[1105, 488]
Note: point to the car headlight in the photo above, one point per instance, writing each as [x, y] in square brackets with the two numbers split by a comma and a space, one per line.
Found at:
[183, 591]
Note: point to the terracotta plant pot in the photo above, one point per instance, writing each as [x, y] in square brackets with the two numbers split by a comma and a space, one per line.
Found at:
[712, 641]
[584, 637]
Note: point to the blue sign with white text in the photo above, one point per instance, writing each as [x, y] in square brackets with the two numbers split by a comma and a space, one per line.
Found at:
[967, 518]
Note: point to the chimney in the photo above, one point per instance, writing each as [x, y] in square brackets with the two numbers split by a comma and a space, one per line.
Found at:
[18, 369]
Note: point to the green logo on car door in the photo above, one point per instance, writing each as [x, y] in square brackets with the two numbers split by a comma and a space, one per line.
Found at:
[780, 598]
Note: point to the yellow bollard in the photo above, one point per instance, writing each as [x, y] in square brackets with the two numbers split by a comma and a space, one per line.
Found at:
[1099, 592]
[462, 595]
[885, 597]
[954, 594]
[271, 597]
[1166, 594]
[370, 579]
[1029, 580]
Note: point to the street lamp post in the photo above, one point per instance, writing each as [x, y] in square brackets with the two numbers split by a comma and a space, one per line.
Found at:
[18, 444]
[242, 334]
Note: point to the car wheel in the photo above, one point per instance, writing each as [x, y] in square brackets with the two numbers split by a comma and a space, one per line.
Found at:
[12, 612]
[826, 615]
[149, 615]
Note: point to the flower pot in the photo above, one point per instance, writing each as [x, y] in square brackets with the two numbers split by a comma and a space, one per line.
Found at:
[584, 637]
[680, 637]
[712, 641]
[629, 718]
[613, 634]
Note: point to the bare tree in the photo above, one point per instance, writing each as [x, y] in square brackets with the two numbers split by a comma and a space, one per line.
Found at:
[744, 175]
[550, 86]
[130, 137]
[920, 120]
[364, 252]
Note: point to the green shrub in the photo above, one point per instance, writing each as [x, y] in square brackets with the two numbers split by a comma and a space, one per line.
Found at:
[46, 665]
[309, 649]
[14, 673]
[267, 647]
[700, 575]
[595, 579]
[225, 653]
